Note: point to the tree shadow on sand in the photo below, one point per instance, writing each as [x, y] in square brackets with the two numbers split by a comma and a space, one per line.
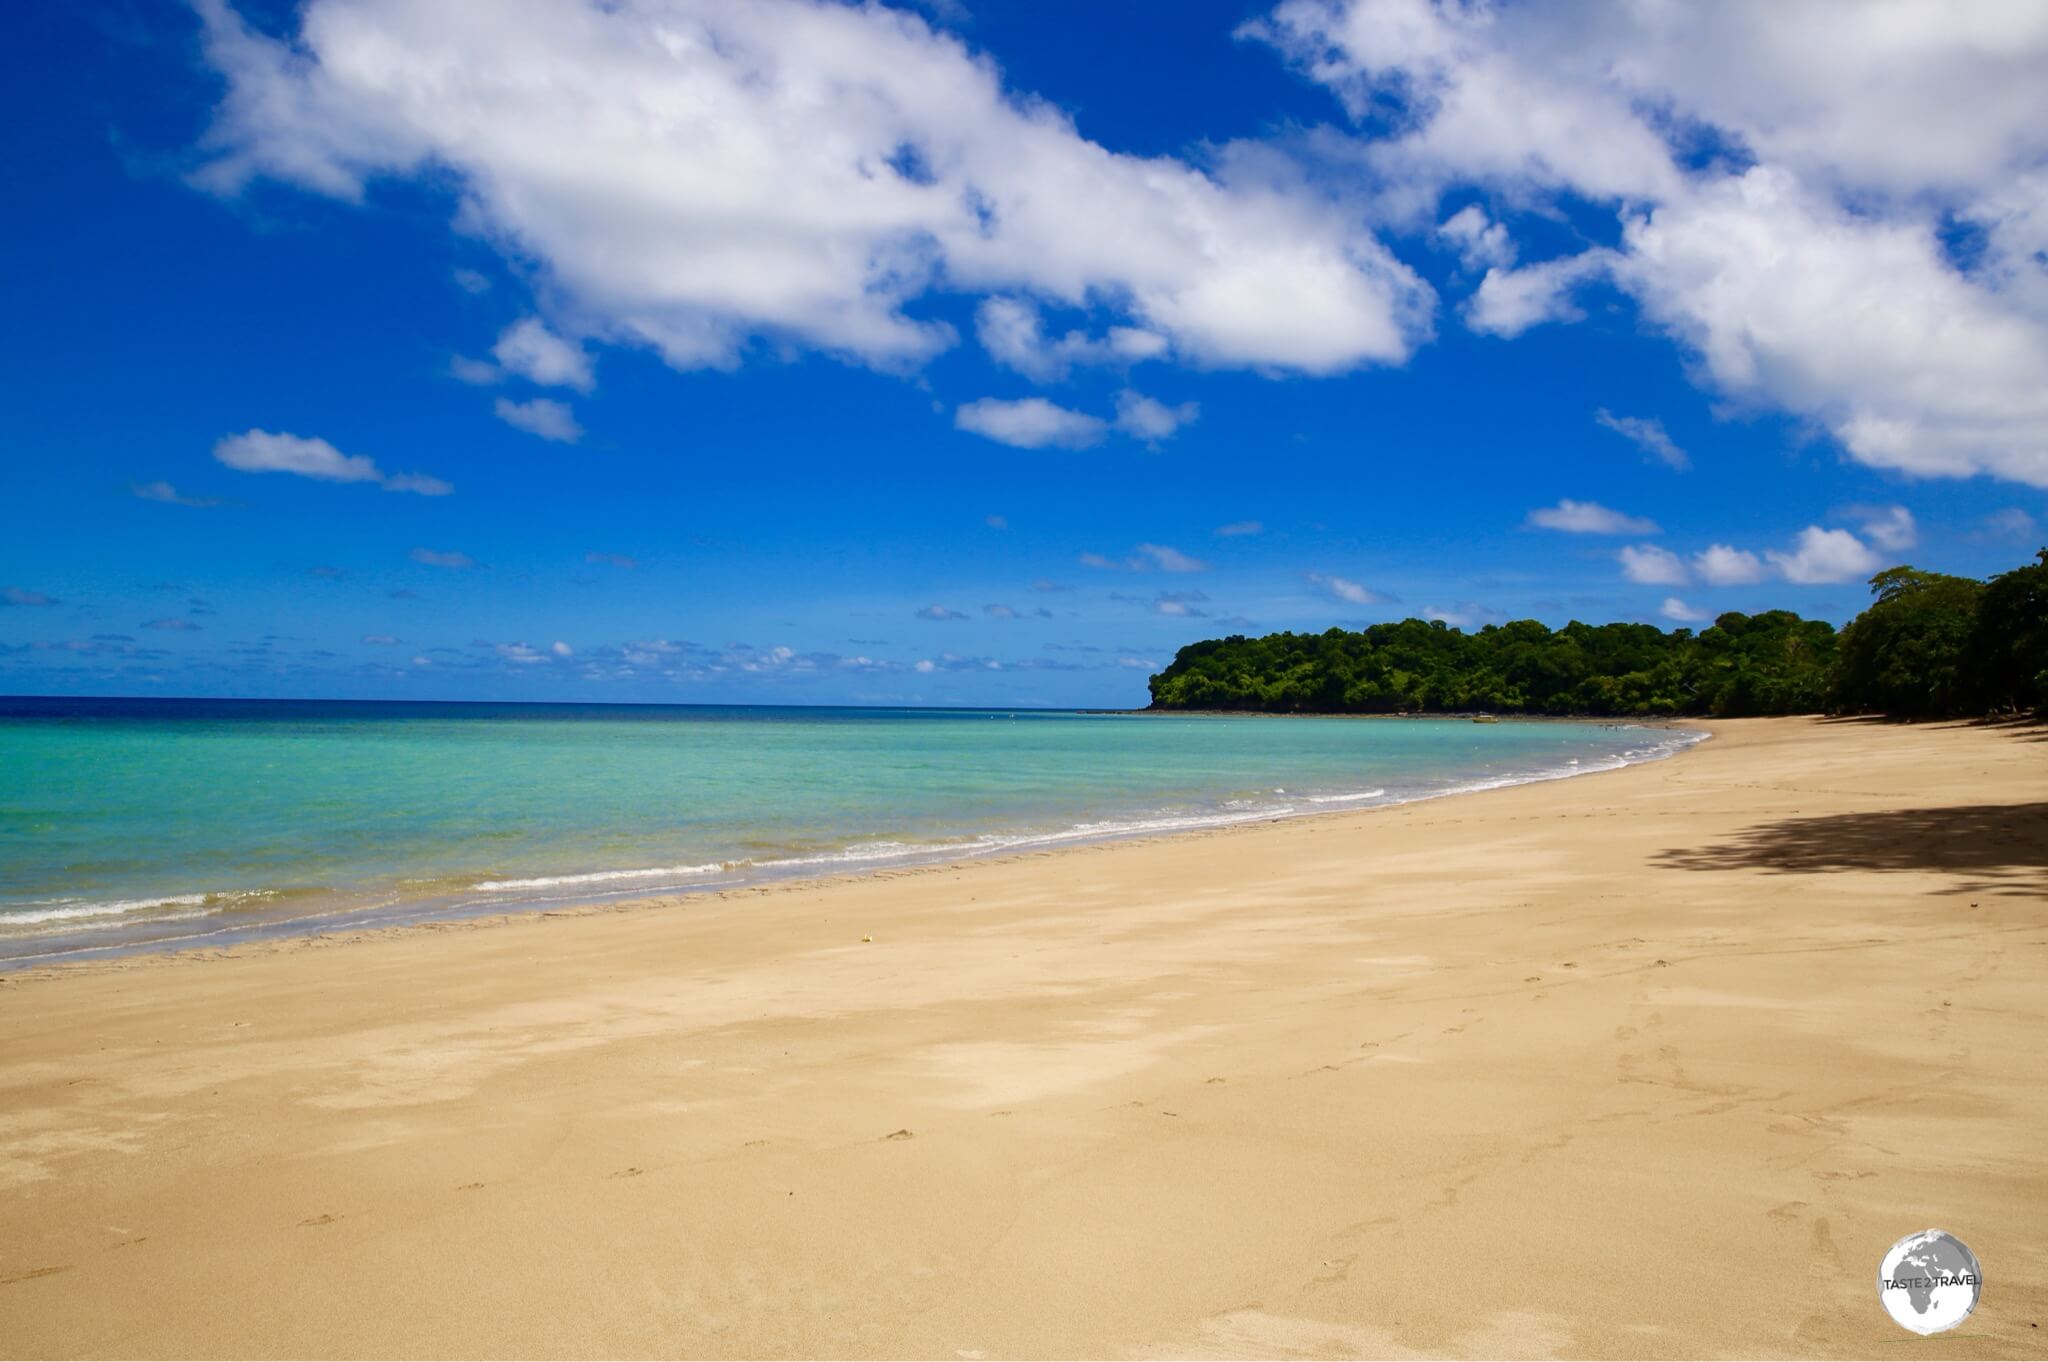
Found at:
[1991, 848]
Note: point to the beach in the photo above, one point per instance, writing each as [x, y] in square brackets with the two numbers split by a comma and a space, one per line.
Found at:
[1650, 1062]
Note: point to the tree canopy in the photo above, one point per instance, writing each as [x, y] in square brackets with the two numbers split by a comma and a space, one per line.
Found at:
[1929, 644]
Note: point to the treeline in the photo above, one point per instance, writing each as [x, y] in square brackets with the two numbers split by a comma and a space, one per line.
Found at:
[1928, 645]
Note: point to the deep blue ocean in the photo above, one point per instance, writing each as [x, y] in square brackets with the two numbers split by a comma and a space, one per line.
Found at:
[130, 824]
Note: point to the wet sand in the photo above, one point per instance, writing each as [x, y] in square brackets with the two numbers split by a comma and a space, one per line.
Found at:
[1655, 1062]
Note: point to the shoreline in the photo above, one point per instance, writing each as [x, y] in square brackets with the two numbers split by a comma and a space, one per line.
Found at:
[1554, 1072]
[222, 933]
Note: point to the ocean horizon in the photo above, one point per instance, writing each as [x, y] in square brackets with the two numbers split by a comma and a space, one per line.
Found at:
[133, 824]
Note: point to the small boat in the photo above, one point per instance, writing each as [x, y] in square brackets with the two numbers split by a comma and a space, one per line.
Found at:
[1484, 719]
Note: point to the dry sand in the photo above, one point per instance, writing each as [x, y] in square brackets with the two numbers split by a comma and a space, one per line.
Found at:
[1656, 1062]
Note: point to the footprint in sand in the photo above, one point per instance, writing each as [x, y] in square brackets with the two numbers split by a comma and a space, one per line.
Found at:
[469, 1187]
[319, 1220]
[626, 1173]
[34, 1273]
[899, 1135]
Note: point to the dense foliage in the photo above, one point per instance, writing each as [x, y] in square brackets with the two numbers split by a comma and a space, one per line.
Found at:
[1929, 644]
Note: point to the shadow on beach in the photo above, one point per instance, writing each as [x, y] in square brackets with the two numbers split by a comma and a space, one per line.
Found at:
[1999, 848]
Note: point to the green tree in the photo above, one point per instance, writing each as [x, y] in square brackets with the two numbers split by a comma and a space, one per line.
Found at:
[1905, 654]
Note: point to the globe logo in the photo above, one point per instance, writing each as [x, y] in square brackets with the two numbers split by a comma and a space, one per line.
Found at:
[1929, 1282]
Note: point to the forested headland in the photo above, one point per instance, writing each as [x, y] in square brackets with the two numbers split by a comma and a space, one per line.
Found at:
[1928, 645]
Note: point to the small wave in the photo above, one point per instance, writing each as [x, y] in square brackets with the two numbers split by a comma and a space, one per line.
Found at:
[598, 877]
[1345, 798]
[76, 909]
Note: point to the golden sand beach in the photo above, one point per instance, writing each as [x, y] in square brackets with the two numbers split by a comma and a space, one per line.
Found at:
[1655, 1062]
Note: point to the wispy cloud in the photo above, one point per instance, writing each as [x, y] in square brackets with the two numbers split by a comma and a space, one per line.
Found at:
[169, 495]
[1588, 517]
[542, 416]
[1344, 589]
[939, 612]
[443, 559]
[22, 596]
[1648, 435]
[262, 451]
[617, 560]
[174, 625]
[1145, 418]
[1237, 528]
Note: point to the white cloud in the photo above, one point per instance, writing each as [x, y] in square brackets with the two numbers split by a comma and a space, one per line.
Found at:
[470, 281]
[1481, 243]
[562, 649]
[529, 349]
[1653, 566]
[996, 522]
[1029, 423]
[1891, 528]
[380, 640]
[695, 176]
[1510, 301]
[1675, 609]
[480, 373]
[1649, 435]
[2010, 523]
[169, 495]
[1720, 565]
[542, 416]
[1237, 528]
[1171, 559]
[443, 558]
[939, 612]
[1781, 182]
[1179, 604]
[1344, 589]
[1143, 418]
[1588, 517]
[617, 560]
[260, 451]
[1825, 556]
[1013, 334]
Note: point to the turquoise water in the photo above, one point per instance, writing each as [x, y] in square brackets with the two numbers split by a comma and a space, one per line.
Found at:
[129, 824]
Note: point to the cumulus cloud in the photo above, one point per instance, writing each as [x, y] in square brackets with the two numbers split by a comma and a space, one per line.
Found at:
[1780, 184]
[1588, 517]
[1649, 435]
[261, 451]
[700, 176]
[1675, 609]
[1030, 423]
[527, 348]
[1720, 565]
[1481, 243]
[443, 559]
[1653, 566]
[542, 416]
[169, 495]
[1344, 589]
[1825, 556]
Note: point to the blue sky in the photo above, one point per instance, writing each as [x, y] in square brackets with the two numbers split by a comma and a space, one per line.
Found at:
[986, 353]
